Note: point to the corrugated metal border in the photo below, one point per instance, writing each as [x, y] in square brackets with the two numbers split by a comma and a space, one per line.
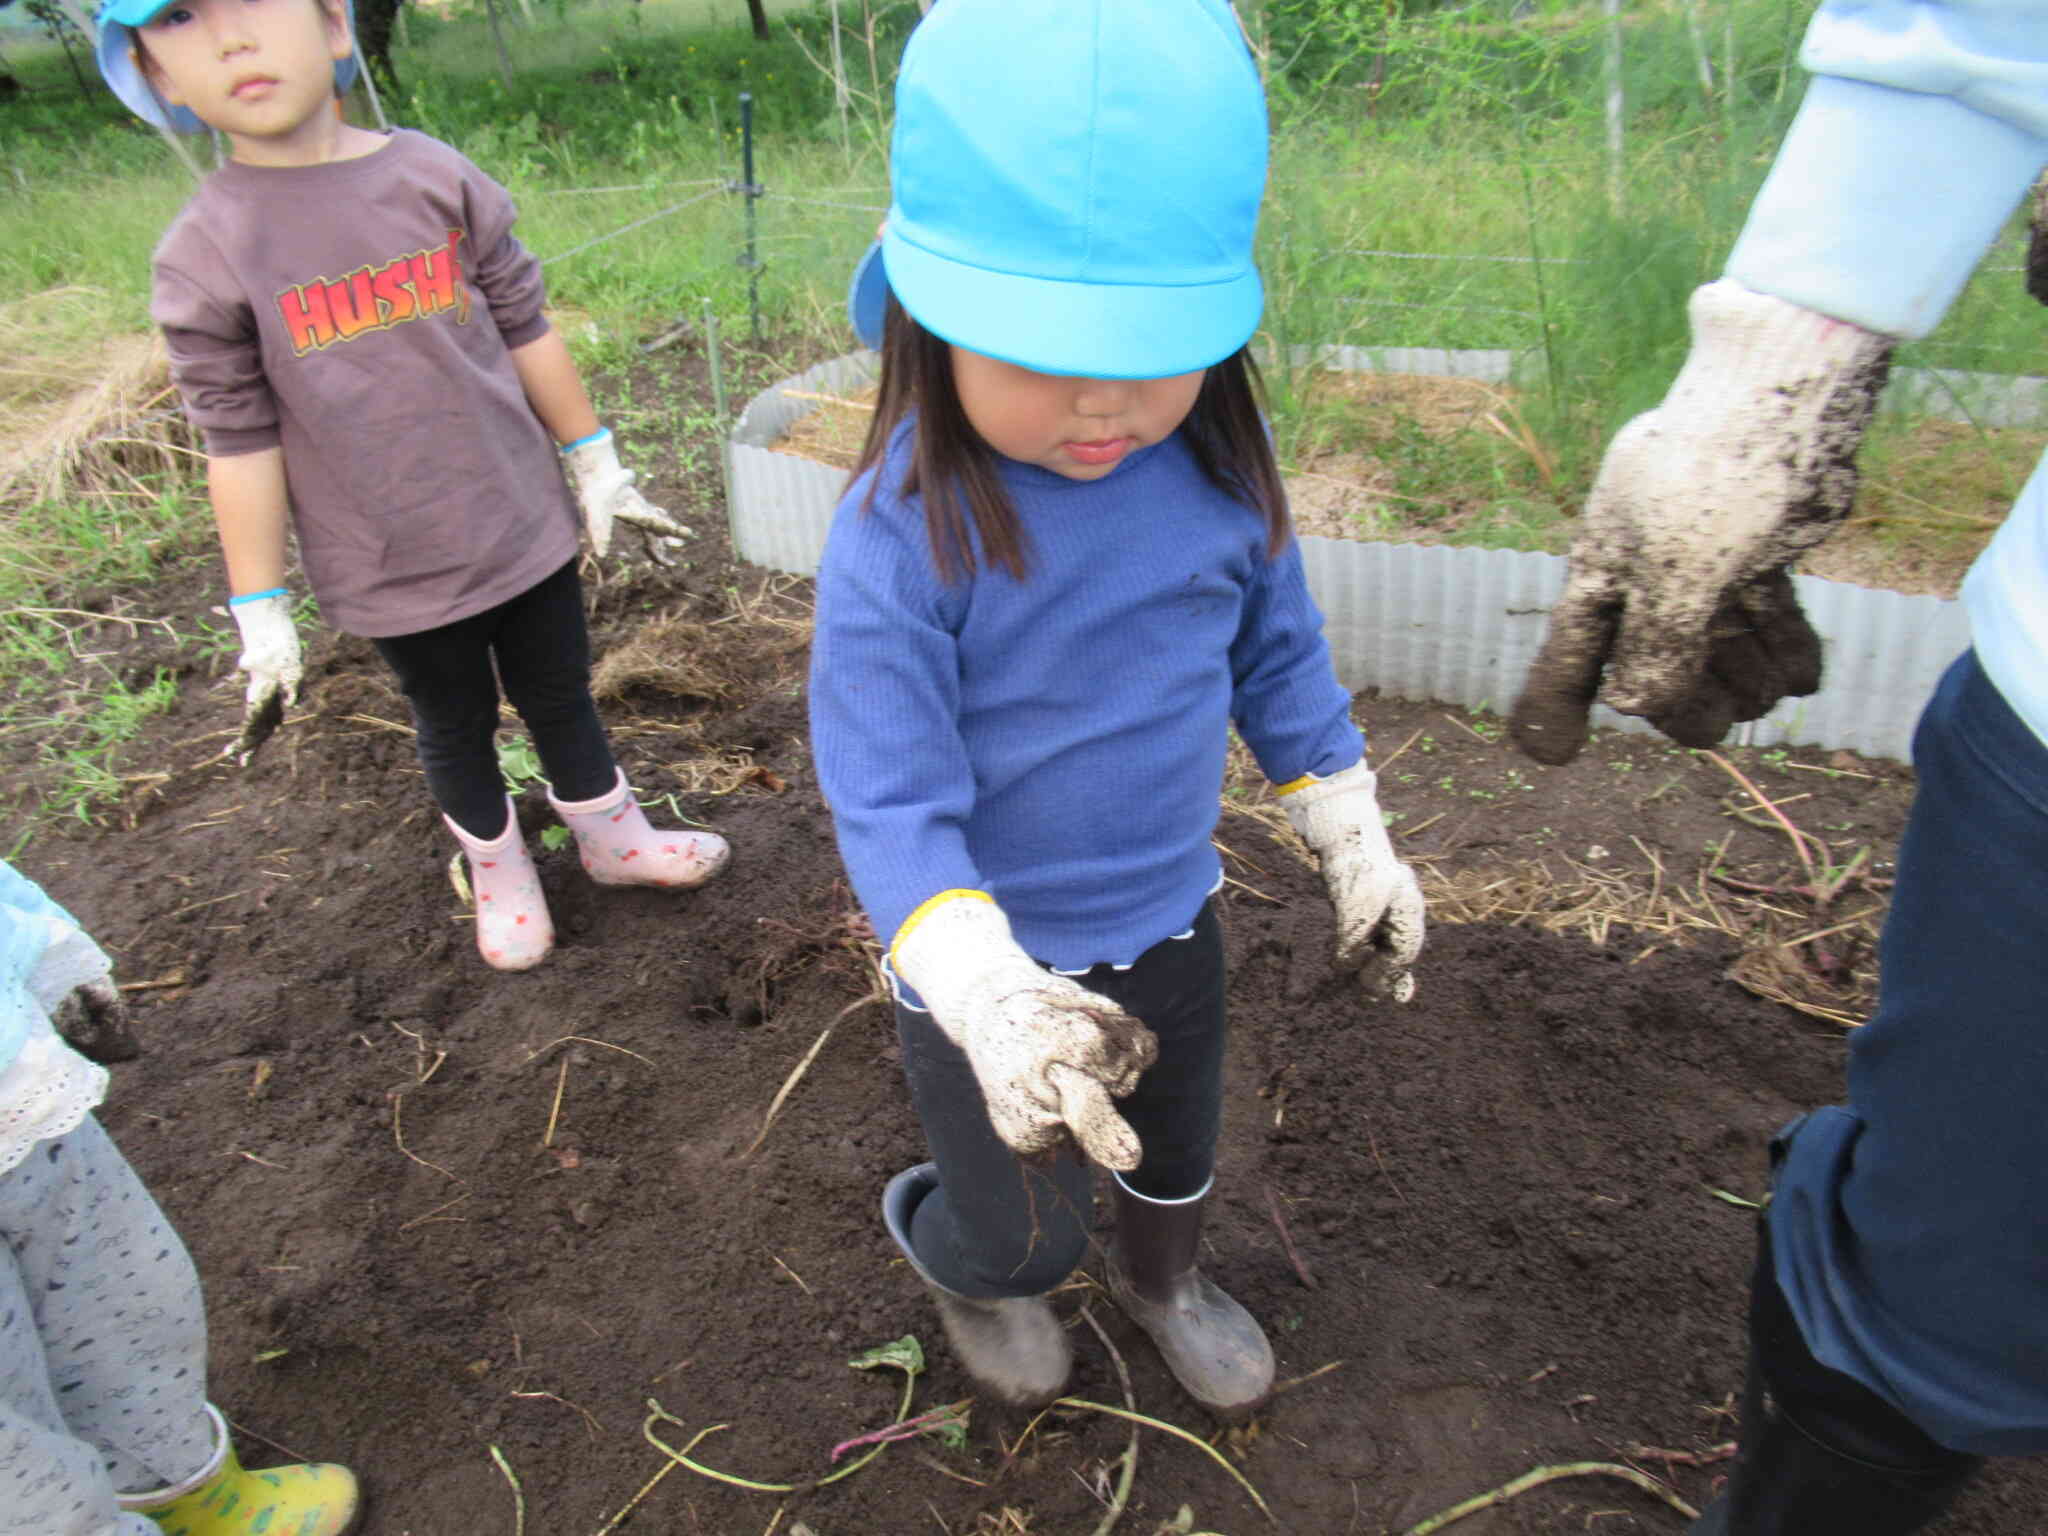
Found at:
[1462, 625]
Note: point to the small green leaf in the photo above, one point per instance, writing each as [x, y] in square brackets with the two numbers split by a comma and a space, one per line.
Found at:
[905, 1355]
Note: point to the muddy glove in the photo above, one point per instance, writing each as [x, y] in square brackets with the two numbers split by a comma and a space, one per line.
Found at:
[271, 657]
[1048, 1053]
[1680, 589]
[1378, 902]
[605, 492]
[73, 982]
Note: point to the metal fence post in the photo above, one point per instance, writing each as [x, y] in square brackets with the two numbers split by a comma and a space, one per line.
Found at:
[750, 190]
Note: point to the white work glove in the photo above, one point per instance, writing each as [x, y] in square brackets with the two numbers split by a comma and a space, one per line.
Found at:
[1680, 590]
[73, 983]
[605, 493]
[271, 657]
[1376, 897]
[1048, 1053]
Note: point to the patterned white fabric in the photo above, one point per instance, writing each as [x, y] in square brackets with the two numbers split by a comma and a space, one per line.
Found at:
[45, 1092]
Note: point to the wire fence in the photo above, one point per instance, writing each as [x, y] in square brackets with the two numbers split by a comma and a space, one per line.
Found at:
[1417, 292]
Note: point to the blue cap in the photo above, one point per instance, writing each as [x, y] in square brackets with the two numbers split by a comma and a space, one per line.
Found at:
[116, 50]
[1075, 186]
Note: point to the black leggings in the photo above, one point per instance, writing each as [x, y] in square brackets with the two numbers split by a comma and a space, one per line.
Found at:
[996, 1226]
[541, 650]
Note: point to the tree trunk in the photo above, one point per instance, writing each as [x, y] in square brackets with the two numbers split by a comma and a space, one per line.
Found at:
[758, 10]
[498, 37]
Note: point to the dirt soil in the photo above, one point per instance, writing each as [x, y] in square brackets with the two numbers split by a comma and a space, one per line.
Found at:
[459, 1227]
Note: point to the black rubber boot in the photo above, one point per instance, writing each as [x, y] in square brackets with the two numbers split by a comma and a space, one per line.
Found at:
[1822, 1454]
[1211, 1344]
[1012, 1346]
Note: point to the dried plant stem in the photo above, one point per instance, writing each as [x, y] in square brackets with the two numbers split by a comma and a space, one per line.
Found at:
[1122, 1498]
[555, 1112]
[1287, 1238]
[398, 1135]
[1725, 1451]
[1175, 1430]
[658, 1414]
[518, 1497]
[1537, 1479]
[1799, 838]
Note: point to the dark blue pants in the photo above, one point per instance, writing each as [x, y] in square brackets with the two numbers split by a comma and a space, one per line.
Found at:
[997, 1227]
[1911, 1224]
[539, 647]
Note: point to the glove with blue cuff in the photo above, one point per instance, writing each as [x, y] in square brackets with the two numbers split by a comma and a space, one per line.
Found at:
[272, 657]
[606, 494]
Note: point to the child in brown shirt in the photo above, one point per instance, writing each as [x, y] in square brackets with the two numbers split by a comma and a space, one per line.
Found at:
[358, 333]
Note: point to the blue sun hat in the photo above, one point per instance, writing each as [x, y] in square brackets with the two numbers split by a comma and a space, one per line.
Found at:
[1075, 186]
[116, 50]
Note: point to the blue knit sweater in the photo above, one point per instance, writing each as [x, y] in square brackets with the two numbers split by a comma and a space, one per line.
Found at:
[1059, 742]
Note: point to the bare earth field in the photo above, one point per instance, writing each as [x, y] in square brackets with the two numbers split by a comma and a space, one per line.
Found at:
[458, 1228]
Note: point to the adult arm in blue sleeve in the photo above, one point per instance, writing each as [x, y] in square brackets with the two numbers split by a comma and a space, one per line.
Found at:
[1923, 130]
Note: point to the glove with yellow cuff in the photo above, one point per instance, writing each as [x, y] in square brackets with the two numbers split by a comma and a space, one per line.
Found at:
[1378, 902]
[1048, 1053]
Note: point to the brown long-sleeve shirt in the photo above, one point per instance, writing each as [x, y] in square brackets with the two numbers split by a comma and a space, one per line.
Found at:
[361, 314]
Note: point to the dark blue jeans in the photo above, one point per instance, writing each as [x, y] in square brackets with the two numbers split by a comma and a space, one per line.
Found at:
[539, 647]
[1911, 1224]
[996, 1226]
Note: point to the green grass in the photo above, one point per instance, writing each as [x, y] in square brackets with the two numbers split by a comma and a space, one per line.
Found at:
[60, 685]
[1439, 179]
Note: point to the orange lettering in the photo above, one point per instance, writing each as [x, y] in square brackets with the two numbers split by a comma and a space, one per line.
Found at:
[394, 300]
[306, 318]
[352, 305]
[437, 279]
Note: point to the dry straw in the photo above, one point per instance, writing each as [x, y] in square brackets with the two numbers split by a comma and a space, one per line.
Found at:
[86, 412]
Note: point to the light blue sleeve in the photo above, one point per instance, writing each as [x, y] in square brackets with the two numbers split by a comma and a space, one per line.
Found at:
[24, 934]
[1924, 127]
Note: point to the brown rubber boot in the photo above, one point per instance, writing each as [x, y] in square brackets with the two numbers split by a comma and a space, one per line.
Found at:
[1012, 1346]
[1210, 1343]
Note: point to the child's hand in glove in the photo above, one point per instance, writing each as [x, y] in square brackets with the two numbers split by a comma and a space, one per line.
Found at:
[1378, 902]
[74, 983]
[272, 657]
[1049, 1054]
[1679, 605]
[606, 494]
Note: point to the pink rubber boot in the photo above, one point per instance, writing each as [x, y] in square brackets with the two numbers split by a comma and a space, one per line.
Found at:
[620, 848]
[513, 929]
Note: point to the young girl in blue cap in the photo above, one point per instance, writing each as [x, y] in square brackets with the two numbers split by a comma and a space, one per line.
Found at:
[360, 336]
[1062, 572]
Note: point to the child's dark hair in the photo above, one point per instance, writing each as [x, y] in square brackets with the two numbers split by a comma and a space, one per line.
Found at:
[955, 471]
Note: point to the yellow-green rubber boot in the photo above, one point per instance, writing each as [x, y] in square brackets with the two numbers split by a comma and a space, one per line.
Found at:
[309, 1499]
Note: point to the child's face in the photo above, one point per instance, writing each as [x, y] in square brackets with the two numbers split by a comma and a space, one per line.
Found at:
[1080, 428]
[258, 70]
